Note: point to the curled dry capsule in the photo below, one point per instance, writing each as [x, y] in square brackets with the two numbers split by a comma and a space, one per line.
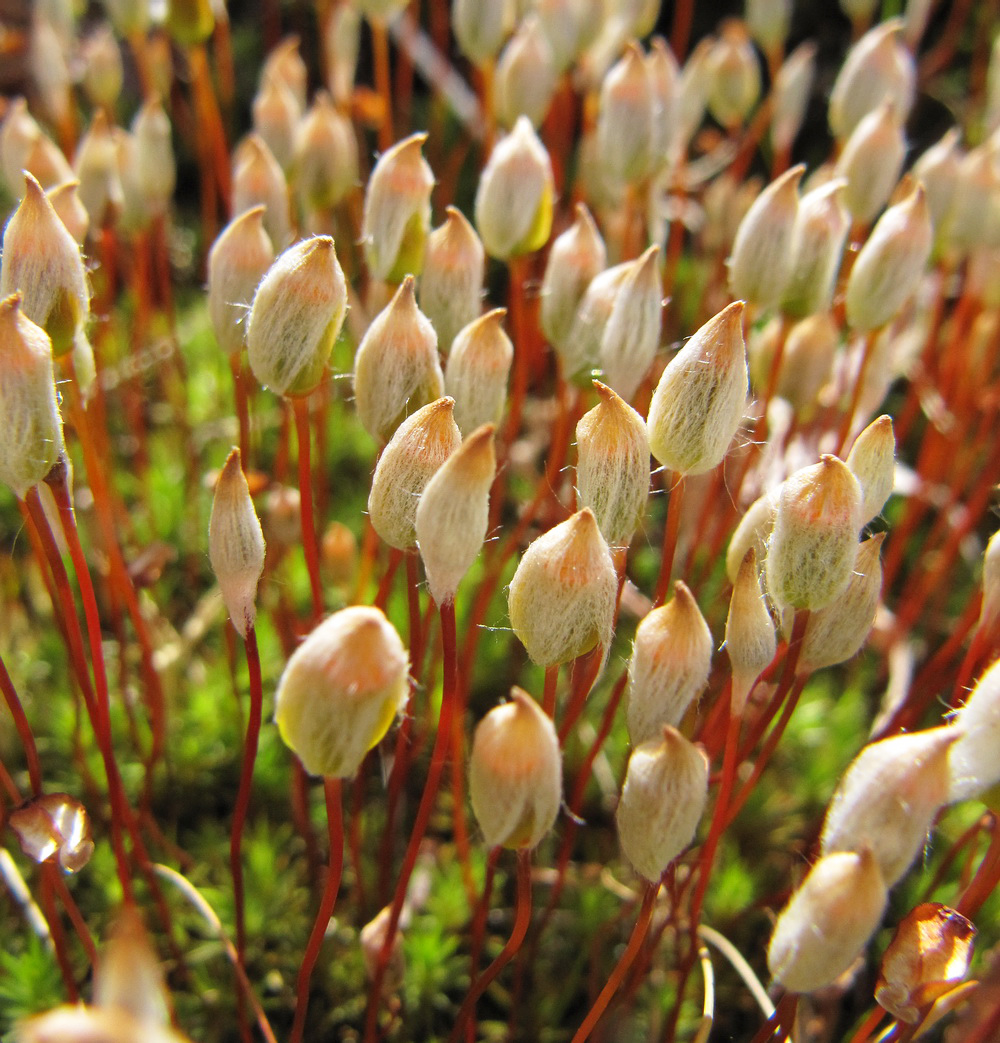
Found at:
[42, 262]
[515, 773]
[887, 799]
[612, 468]
[236, 544]
[701, 397]
[453, 513]
[397, 212]
[662, 801]
[562, 597]
[419, 447]
[297, 313]
[814, 542]
[669, 667]
[828, 921]
[341, 689]
[396, 368]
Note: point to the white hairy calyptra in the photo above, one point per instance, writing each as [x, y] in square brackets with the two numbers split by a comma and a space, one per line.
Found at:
[296, 316]
[42, 262]
[453, 513]
[973, 765]
[341, 689]
[662, 801]
[258, 180]
[890, 264]
[515, 195]
[871, 161]
[872, 461]
[700, 399]
[828, 921]
[237, 262]
[750, 638]
[576, 257]
[397, 212]
[451, 285]
[762, 250]
[236, 544]
[612, 466]
[877, 68]
[476, 372]
[632, 333]
[562, 596]
[396, 367]
[836, 632]
[814, 541]
[515, 773]
[887, 799]
[421, 444]
[821, 228]
[669, 667]
[33, 440]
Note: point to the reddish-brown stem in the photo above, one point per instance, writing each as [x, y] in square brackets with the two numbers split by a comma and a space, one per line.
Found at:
[621, 968]
[868, 1026]
[680, 34]
[439, 755]
[778, 1025]
[335, 830]
[522, 918]
[583, 676]
[986, 879]
[549, 692]
[75, 916]
[98, 701]
[479, 927]
[729, 762]
[242, 392]
[859, 383]
[576, 800]
[383, 81]
[518, 268]
[310, 546]
[770, 744]
[243, 794]
[60, 943]
[23, 729]
[670, 529]
[300, 816]
[212, 137]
